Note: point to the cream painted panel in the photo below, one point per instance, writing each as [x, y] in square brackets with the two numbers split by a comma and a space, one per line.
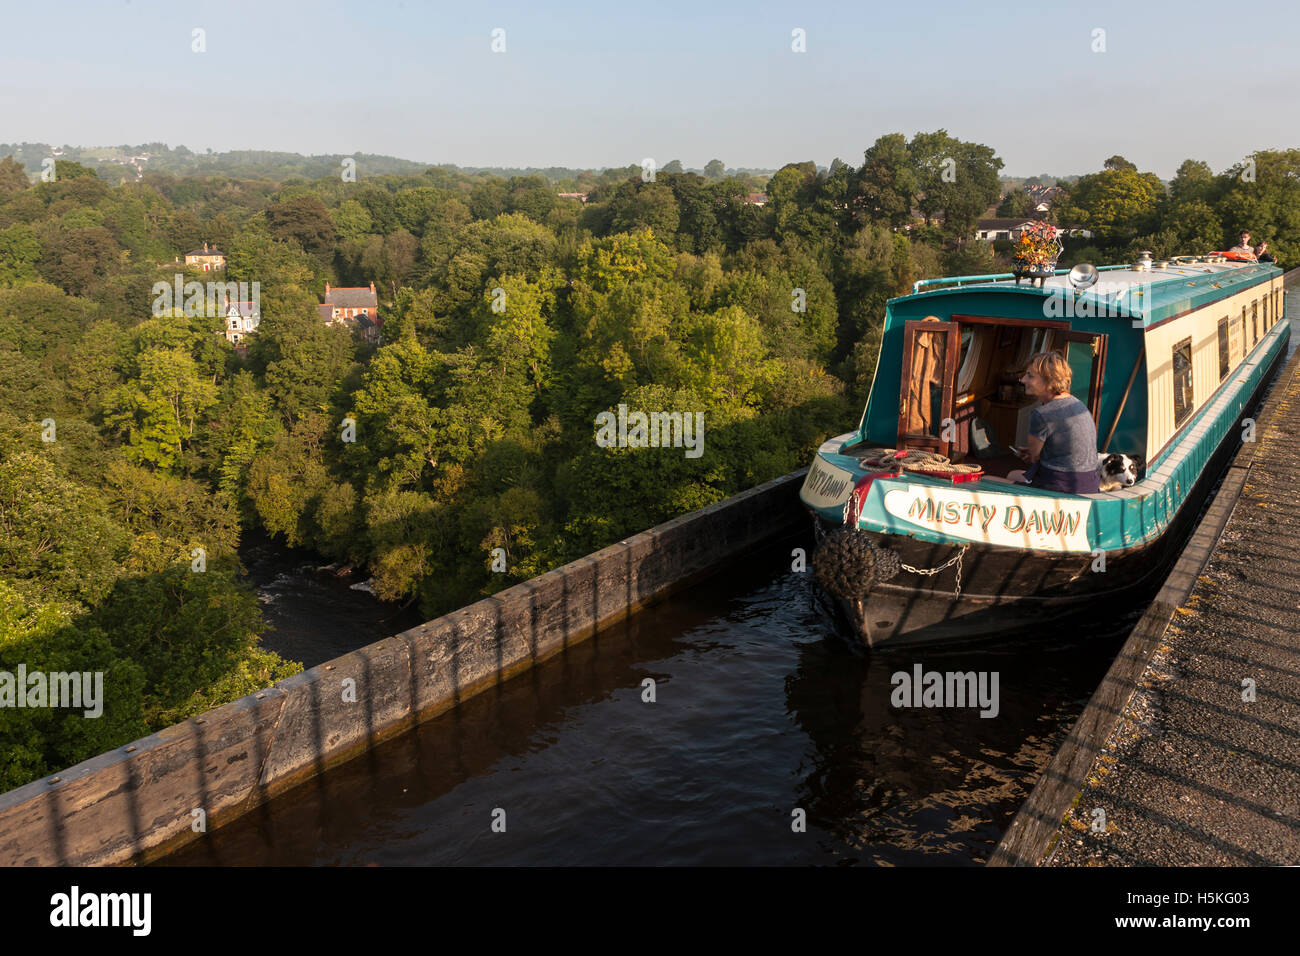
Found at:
[1203, 328]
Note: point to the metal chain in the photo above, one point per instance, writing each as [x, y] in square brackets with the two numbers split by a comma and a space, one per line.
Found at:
[820, 535]
[956, 559]
[844, 515]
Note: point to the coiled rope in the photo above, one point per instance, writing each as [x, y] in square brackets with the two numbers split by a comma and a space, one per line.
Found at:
[913, 459]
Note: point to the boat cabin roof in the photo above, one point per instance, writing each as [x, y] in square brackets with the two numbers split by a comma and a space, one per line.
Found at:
[1150, 296]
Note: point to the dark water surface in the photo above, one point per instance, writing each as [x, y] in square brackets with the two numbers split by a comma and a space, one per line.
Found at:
[313, 616]
[760, 710]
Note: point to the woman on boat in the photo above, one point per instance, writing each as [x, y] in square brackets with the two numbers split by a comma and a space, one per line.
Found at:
[1062, 452]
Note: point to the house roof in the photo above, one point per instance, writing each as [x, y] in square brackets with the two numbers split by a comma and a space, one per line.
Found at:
[1003, 223]
[326, 312]
[362, 297]
[206, 252]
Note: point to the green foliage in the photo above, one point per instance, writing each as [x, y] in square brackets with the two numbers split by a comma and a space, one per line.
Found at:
[887, 183]
[1014, 204]
[1114, 204]
[512, 319]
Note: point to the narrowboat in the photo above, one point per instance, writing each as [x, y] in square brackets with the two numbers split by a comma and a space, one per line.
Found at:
[920, 534]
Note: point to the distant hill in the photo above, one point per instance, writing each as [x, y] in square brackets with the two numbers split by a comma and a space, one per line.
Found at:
[118, 163]
[1042, 179]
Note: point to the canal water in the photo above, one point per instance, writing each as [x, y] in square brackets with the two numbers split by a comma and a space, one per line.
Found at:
[768, 741]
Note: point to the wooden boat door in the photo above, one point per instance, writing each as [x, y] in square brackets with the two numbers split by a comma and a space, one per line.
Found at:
[928, 381]
[1085, 353]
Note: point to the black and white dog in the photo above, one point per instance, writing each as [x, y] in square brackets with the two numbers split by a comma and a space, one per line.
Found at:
[1118, 471]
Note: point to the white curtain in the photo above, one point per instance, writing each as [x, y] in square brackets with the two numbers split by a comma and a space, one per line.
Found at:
[974, 352]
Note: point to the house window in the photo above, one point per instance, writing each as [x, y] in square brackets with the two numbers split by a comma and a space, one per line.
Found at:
[1224, 362]
[1182, 381]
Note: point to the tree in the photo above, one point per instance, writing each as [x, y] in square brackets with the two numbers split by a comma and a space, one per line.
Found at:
[399, 424]
[1119, 163]
[1115, 204]
[887, 182]
[697, 222]
[158, 408]
[305, 220]
[78, 259]
[13, 177]
[1015, 204]
[57, 542]
[639, 205]
[933, 159]
[1262, 194]
[715, 169]
[1193, 181]
[790, 193]
[304, 359]
[531, 196]
[974, 188]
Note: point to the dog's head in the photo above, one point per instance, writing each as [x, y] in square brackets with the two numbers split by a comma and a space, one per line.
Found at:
[1121, 468]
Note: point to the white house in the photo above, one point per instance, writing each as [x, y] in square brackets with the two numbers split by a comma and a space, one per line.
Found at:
[242, 318]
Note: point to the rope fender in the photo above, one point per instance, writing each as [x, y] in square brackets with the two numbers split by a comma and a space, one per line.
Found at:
[847, 565]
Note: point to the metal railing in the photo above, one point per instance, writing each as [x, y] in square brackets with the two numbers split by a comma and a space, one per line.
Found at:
[916, 286]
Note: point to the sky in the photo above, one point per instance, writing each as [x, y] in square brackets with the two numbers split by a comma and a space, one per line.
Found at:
[590, 85]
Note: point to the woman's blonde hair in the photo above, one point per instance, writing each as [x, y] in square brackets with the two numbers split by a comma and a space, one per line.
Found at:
[1052, 368]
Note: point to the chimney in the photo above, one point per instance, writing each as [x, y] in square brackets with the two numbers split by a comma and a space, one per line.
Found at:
[205, 247]
[372, 285]
[327, 289]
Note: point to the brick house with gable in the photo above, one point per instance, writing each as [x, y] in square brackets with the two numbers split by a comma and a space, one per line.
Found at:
[354, 306]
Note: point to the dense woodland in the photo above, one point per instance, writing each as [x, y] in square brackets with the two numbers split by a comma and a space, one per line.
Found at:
[473, 427]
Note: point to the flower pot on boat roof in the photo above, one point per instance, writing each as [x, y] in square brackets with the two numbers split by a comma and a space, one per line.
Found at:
[1036, 252]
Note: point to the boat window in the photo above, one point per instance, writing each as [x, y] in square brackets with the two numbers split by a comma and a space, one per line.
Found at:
[1254, 322]
[1244, 349]
[1224, 354]
[1182, 381]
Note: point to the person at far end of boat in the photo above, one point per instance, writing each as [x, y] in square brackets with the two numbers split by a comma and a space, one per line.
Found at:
[1244, 248]
[1262, 253]
[1062, 452]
